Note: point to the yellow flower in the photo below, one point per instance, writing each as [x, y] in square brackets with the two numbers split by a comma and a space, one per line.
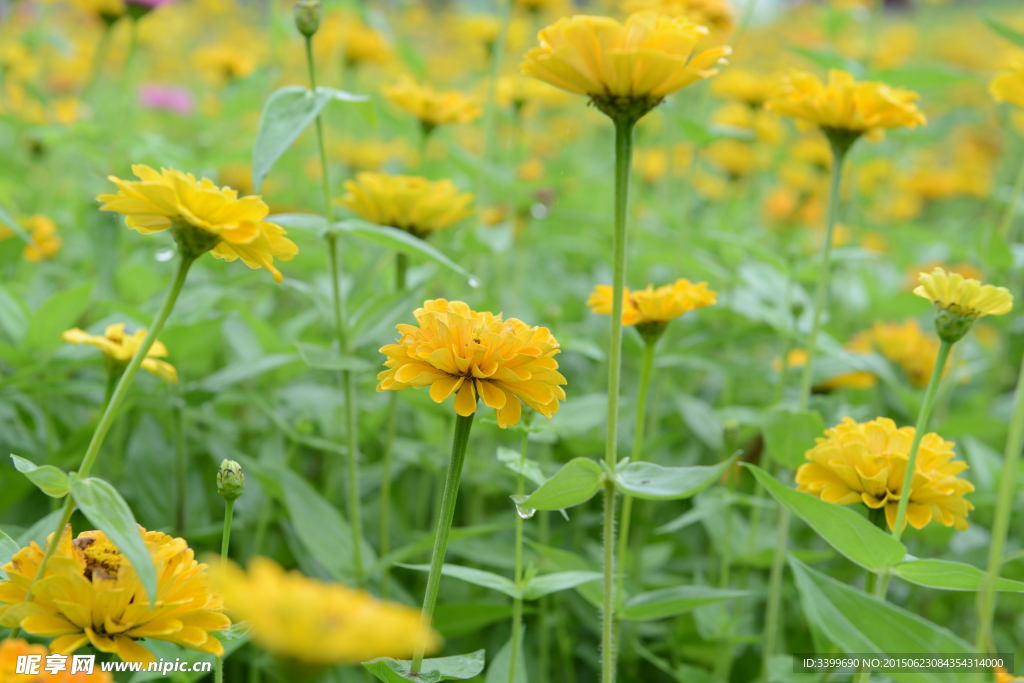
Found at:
[318, 623]
[908, 346]
[233, 227]
[866, 463]
[455, 350]
[854, 379]
[1009, 86]
[43, 232]
[1003, 677]
[119, 349]
[431, 107]
[651, 164]
[91, 595]
[715, 14]
[962, 296]
[645, 59]
[373, 155]
[108, 10]
[226, 62]
[364, 45]
[530, 170]
[744, 85]
[410, 203]
[654, 307]
[845, 105]
[12, 649]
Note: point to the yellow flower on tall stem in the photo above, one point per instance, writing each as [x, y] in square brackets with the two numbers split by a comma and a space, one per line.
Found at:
[417, 205]
[626, 70]
[119, 348]
[91, 595]
[431, 107]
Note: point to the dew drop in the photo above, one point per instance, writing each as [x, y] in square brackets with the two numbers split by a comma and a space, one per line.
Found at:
[524, 512]
[164, 255]
[474, 283]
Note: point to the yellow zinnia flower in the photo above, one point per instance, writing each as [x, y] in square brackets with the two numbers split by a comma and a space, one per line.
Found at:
[119, 349]
[43, 232]
[455, 350]
[431, 107]
[318, 623]
[1009, 86]
[652, 309]
[12, 649]
[866, 462]
[92, 595]
[715, 14]
[641, 61]
[966, 297]
[410, 203]
[217, 220]
[908, 346]
[844, 105]
[744, 85]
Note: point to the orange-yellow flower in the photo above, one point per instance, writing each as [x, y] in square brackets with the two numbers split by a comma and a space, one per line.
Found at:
[652, 306]
[12, 649]
[456, 350]
[119, 349]
[1009, 86]
[432, 108]
[410, 203]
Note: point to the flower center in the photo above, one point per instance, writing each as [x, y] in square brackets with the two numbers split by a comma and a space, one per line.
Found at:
[102, 558]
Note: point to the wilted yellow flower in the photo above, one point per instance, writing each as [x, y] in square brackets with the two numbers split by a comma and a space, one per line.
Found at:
[92, 595]
[318, 623]
[963, 296]
[414, 204]
[43, 232]
[220, 222]
[641, 61]
[844, 105]
[652, 309]
[1009, 86]
[119, 349]
[455, 350]
[12, 649]
[431, 107]
[865, 463]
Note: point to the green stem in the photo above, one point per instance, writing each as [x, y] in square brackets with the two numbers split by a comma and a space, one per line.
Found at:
[133, 44]
[180, 456]
[517, 604]
[325, 178]
[775, 591]
[497, 51]
[98, 58]
[444, 524]
[821, 290]
[1011, 208]
[229, 509]
[1001, 525]
[401, 264]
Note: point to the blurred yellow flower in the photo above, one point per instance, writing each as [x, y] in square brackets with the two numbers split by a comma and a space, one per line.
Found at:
[854, 379]
[652, 309]
[744, 85]
[43, 232]
[433, 108]
[531, 170]
[373, 155]
[963, 296]
[12, 649]
[715, 14]
[228, 227]
[318, 623]
[866, 462]
[845, 105]
[643, 60]
[92, 595]
[1009, 86]
[651, 164]
[107, 10]
[456, 350]
[225, 62]
[735, 158]
[908, 346]
[410, 203]
[119, 349]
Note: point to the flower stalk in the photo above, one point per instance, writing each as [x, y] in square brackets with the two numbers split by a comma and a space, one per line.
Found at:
[460, 440]
[517, 603]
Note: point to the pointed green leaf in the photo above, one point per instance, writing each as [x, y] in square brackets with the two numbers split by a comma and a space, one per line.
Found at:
[539, 586]
[855, 537]
[477, 577]
[57, 314]
[574, 484]
[49, 479]
[670, 602]
[498, 671]
[106, 510]
[526, 467]
[791, 433]
[951, 576]
[654, 482]
[457, 667]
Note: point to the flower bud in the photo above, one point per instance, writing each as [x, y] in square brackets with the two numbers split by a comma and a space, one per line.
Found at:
[230, 480]
[307, 15]
[951, 325]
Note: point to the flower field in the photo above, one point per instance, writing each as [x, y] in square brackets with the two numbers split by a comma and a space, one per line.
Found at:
[524, 341]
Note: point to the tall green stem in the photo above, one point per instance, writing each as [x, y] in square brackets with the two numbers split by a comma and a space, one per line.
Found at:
[623, 165]
[225, 542]
[444, 524]
[497, 52]
[180, 456]
[1011, 207]
[1001, 525]
[401, 263]
[517, 604]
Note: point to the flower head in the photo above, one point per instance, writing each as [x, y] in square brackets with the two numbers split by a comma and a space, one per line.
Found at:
[747, 86]
[908, 346]
[455, 350]
[652, 309]
[119, 349]
[92, 595]
[13, 648]
[866, 463]
[1009, 86]
[204, 217]
[622, 66]
[432, 108]
[959, 301]
[43, 231]
[410, 203]
[318, 623]
[844, 105]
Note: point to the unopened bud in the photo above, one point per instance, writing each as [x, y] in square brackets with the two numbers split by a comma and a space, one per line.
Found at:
[230, 480]
[307, 15]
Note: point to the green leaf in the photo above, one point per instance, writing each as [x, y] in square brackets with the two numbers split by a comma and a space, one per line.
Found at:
[852, 535]
[49, 479]
[1012, 35]
[106, 510]
[539, 586]
[789, 434]
[951, 576]
[574, 484]
[8, 548]
[8, 220]
[241, 372]
[702, 421]
[670, 602]
[57, 314]
[477, 577]
[402, 241]
[457, 667]
[498, 671]
[322, 358]
[857, 622]
[654, 482]
[40, 530]
[14, 315]
[456, 619]
[571, 562]
[286, 113]
[526, 467]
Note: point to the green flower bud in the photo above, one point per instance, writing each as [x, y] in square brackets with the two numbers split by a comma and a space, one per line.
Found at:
[951, 324]
[230, 480]
[308, 14]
